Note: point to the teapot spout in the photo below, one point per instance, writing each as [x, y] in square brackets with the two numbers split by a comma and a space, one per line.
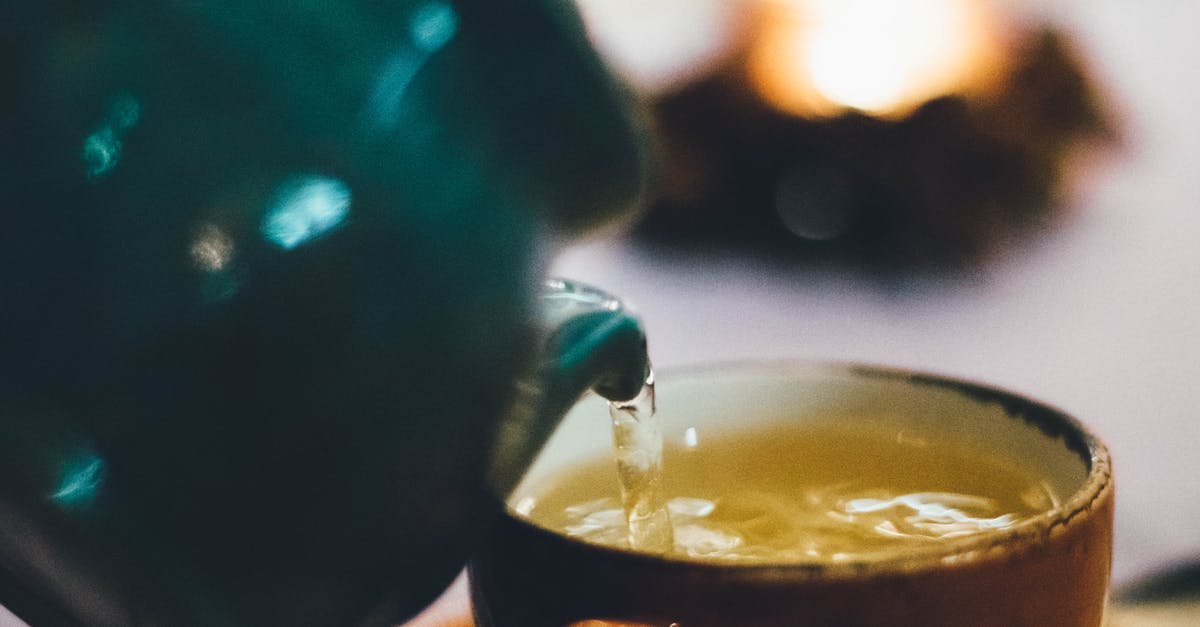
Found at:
[592, 342]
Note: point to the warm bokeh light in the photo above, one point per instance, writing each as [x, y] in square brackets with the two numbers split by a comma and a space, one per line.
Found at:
[883, 57]
[212, 248]
[609, 623]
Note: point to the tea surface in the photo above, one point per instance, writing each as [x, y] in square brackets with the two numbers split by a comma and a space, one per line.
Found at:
[802, 494]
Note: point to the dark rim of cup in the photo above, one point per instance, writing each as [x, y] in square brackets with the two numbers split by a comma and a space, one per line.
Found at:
[1025, 535]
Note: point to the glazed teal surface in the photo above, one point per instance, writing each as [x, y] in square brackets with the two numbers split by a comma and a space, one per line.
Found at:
[271, 275]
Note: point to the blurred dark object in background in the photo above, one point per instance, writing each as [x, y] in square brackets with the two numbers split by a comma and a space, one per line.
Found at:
[1170, 598]
[945, 182]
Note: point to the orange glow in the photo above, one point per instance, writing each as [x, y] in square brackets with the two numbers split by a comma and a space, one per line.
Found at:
[607, 623]
[882, 57]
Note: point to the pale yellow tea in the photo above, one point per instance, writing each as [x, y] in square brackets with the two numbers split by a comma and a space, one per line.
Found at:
[803, 494]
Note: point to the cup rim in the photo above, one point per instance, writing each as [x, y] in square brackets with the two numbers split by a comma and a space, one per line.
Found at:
[1026, 534]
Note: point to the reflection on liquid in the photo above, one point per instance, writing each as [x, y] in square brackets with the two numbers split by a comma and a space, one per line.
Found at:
[102, 148]
[827, 524]
[305, 209]
[431, 27]
[81, 479]
[929, 514]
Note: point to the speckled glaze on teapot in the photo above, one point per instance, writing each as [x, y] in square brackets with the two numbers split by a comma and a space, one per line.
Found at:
[270, 277]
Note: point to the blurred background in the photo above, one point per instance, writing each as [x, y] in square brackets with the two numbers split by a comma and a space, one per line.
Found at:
[1003, 191]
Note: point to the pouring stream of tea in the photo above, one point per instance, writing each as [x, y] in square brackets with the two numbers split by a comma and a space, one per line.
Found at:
[638, 449]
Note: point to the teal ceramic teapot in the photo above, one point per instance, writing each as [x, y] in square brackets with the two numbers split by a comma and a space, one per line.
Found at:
[272, 336]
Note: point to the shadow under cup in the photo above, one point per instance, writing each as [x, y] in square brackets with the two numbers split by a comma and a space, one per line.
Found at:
[1051, 569]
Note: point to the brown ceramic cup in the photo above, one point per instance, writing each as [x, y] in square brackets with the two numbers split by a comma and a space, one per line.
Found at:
[1050, 570]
